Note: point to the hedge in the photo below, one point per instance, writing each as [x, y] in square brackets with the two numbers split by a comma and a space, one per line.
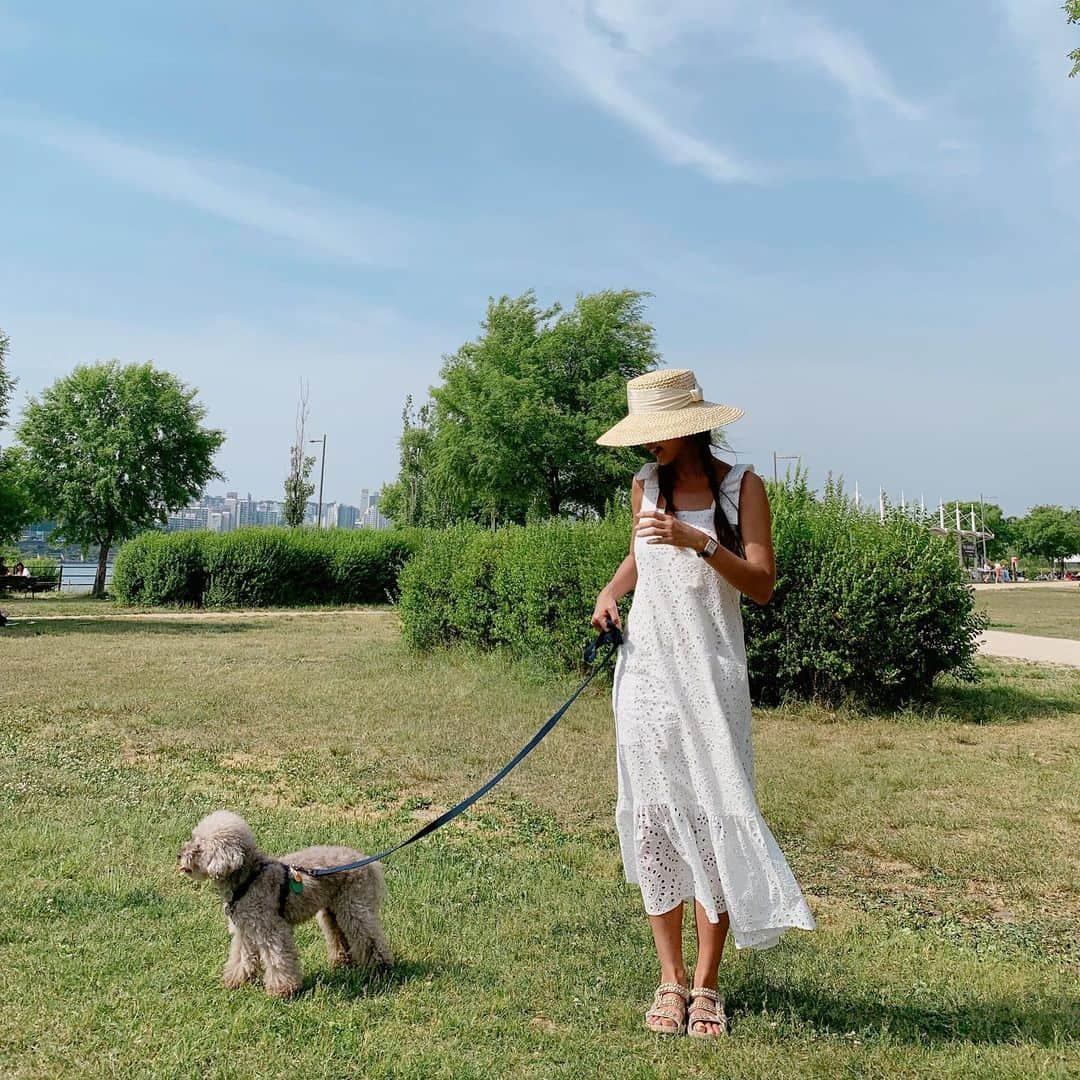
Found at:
[263, 567]
[864, 612]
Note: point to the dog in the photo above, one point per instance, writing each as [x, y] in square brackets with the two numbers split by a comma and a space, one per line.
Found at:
[262, 904]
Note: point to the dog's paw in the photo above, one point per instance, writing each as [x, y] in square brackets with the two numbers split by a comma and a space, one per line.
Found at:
[283, 989]
[234, 978]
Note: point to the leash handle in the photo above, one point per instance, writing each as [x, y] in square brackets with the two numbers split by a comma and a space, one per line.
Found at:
[612, 637]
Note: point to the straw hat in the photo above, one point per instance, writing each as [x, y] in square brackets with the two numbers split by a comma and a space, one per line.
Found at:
[666, 404]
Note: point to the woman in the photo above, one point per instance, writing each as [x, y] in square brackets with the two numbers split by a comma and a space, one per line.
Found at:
[688, 821]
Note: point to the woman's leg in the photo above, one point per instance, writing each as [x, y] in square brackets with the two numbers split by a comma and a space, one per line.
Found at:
[710, 947]
[667, 934]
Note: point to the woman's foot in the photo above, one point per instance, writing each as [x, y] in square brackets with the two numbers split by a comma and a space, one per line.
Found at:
[706, 1018]
[668, 1013]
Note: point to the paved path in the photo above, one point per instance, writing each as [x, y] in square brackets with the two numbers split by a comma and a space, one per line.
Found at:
[25, 615]
[1046, 650]
[993, 586]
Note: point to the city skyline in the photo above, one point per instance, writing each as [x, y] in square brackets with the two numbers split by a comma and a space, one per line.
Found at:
[223, 513]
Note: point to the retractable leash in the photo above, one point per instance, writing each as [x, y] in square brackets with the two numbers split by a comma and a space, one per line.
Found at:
[612, 637]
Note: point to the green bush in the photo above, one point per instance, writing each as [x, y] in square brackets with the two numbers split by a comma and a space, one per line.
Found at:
[263, 567]
[161, 568]
[528, 589]
[43, 568]
[862, 611]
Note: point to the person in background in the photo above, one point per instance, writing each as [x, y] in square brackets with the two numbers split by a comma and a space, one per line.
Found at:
[21, 571]
[3, 568]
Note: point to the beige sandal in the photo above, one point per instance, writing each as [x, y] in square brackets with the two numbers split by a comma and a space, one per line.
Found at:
[668, 1012]
[709, 1011]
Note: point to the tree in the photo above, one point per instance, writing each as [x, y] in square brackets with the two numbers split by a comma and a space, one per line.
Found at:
[112, 449]
[7, 383]
[511, 433]
[415, 497]
[1050, 532]
[14, 502]
[1072, 14]
[298, 486]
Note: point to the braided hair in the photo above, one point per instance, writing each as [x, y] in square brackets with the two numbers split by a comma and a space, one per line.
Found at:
[727, 536]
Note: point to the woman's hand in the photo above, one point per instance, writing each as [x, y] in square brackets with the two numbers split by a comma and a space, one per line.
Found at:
[656, 527]
[606, 608]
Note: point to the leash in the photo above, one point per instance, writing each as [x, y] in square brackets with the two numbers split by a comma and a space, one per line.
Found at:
[611, 637]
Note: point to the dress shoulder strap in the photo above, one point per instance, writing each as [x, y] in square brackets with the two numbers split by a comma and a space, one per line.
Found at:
[730, 487]
[648, 474]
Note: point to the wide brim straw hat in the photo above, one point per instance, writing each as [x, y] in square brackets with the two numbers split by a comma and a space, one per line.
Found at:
[666, 404]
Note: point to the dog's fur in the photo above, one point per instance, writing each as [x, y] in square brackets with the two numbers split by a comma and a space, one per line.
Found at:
[346, 906]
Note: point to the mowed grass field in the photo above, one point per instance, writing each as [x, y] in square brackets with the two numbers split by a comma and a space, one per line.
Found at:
[1027, 609]
[937, 849]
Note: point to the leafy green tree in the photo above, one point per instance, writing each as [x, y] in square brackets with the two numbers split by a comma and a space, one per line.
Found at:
[511, 433]
[1050, 532]
[1072, 13]
[7, 383]
[112, 449]
[14, 502]
[298, 485]
[415, 497]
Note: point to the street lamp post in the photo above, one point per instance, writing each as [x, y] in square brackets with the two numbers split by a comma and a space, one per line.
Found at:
[982, 523]
[322, 471]
[780, 457]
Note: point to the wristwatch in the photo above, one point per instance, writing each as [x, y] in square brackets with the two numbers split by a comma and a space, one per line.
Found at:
[707, 551]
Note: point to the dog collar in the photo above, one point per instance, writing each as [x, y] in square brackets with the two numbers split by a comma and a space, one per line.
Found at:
[287, 885]
[240, 891]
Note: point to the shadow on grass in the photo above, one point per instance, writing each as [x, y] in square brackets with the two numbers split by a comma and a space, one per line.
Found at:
[994, 700]
[924, 1021]
[104, 627]
[366, 982]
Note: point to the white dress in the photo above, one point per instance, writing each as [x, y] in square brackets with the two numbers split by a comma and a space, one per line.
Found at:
[687, 816]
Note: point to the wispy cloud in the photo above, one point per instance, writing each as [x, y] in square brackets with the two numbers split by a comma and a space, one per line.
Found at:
[240, 194]
[608, 57]
[631, 57]
[776, 32]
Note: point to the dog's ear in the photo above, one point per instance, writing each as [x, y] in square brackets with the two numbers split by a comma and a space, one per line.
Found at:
[224, 855]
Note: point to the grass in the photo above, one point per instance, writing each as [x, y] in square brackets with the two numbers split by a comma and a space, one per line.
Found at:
[1051, 612]
[935, 848]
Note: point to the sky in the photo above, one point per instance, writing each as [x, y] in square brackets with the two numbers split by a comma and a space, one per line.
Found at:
[859, 222]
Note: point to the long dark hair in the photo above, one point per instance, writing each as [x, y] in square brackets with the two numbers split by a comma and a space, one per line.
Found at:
[727, 535]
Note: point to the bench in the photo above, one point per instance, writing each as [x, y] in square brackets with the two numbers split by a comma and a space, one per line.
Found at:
[20, 583]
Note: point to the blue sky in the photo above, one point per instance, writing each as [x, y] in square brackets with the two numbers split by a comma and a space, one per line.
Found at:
[858, 221]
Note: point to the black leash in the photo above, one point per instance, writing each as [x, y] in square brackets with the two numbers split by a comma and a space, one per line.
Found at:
[611, 637]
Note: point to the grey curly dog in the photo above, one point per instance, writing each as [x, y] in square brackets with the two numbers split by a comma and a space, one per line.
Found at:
[262, 908]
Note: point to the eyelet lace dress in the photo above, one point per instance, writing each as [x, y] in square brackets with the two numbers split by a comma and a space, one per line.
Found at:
[687, 816]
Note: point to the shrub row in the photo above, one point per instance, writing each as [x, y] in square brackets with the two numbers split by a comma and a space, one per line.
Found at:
[862, 611]
[527, 588]
[263, 567]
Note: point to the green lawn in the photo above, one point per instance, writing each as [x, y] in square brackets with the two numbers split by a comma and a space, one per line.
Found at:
[935, 848]
[1051, 612]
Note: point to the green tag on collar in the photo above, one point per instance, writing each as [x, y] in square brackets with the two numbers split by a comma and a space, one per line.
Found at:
[295, 884]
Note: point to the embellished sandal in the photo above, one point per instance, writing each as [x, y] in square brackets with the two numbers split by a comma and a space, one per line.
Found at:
[676, 1014]
[709, 1011]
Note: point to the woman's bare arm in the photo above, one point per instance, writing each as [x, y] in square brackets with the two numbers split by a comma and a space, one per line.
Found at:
[755, 575]
[625, 577]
